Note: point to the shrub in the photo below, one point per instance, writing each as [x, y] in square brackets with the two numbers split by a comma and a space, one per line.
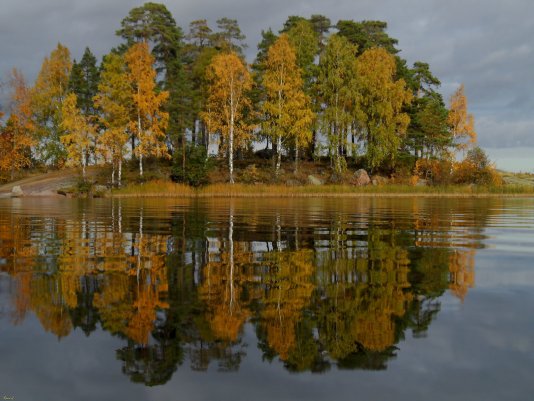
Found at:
[83, 186]
[437, 172]
[197, 166]
[476, 169]
[250, 175]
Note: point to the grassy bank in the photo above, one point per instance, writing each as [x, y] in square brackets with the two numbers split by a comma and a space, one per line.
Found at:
[168, 189]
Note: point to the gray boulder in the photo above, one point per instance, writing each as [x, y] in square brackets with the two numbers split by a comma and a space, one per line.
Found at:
[361, 178]
[17, 192]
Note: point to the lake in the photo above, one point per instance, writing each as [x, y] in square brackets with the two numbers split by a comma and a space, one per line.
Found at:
[251, 299]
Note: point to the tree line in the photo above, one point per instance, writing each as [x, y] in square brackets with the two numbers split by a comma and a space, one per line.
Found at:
[315, 90]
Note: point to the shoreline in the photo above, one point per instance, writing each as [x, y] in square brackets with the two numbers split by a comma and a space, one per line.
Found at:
[317, 195]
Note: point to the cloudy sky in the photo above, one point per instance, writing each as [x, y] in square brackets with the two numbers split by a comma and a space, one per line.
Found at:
[487, 45]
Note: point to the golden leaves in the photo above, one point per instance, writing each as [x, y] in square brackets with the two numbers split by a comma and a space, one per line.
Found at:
[381, 104]
[79, 133]
[229, 82]
[114, 100]
[16, 138]
[149, 121]
[287, 108]
[461, 122]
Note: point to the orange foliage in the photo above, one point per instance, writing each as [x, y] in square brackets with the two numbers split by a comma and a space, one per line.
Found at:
[462, 272]
[466, 172]
[434, 170]
[462, 123]
[221, 292]
[16, 138]
[150, 121]
[289, 291]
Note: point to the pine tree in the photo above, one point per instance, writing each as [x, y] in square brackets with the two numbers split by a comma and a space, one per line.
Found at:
[153, 23]
[83, 82]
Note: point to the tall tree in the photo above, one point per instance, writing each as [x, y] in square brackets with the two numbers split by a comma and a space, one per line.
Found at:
[338, 95]
[49, 91]
[153, 23]
[150, 119]
[424, 82]
[382, 101]
[17, 137]
[114, 99]
[229, 38]
[429, 134]
[198, 54]
[200, 34]
[83, 82]
[305, 41]
[229, 82]
[306, 38]
[287, 107]
[78, 134]
[367, 35]
[321, 25]
[461, 122]
[258, 93]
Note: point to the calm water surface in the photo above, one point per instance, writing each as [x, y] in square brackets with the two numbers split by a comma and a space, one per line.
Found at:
[311, 299]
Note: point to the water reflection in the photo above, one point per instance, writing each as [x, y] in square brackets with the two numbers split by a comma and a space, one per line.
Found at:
[323, 283]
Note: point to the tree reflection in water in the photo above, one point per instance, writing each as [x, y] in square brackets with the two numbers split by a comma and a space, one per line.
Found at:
[322, 286]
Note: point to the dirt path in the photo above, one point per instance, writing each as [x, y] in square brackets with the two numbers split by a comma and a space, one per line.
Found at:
[45, 184]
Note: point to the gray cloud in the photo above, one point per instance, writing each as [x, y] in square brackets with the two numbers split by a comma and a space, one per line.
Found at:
[485, 45]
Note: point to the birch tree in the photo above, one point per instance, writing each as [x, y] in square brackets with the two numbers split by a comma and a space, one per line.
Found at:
[287, 107]
[150, 120]
[79, 133]
[381, 105]
[338, 96]
[229, 82]
[461, 122]
[114, 100]
[17, 137]
[48, 93]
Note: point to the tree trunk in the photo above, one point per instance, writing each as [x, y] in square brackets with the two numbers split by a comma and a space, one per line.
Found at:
[139, 137]
[84, 162]
[231, 149]
[13, 164]
[296, 156]
[113, 173]
[183, 154]
[231, 257]
[120, 171]
[278, 154]
[139, 145]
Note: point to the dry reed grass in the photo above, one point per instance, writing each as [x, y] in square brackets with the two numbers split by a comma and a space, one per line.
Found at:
[168, 189]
